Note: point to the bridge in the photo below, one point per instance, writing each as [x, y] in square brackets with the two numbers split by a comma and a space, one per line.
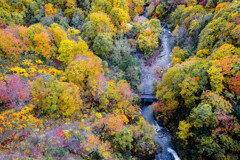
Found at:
[148, 98]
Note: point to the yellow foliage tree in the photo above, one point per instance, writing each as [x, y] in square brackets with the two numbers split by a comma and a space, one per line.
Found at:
[203, 53]
[70, 6]
[224, 51]
[14, 40]
[220, 6]
[191, 2]
[135, 7]
[56, 98]
[69, 48]
[58, 34]
[119, 94]
[83, 70]
[184, 131]
[119, 17]
[49, 9]
[98, 22]
[216, 79]
[107, 5]
[179, 55]
[147, 41]
[101, 5]
[102, 22]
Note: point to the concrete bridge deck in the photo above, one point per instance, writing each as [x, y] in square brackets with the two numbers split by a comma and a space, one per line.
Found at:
[148, 96]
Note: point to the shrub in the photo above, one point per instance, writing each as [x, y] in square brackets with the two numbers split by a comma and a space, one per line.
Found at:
[12, 123]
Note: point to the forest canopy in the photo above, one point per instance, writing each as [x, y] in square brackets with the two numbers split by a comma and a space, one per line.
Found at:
[70, 74]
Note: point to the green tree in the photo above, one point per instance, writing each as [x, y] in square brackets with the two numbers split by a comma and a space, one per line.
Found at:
[176, 16]
[103, 44]
[200, 115]
[126, 62]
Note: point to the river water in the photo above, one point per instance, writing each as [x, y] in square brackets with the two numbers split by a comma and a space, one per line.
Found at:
[148, 78]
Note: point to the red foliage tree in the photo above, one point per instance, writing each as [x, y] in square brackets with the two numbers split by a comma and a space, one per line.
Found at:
[14, 92]
[235, 84]
[225, 123]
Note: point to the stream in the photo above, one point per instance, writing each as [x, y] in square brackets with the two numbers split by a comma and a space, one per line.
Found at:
[148, 78]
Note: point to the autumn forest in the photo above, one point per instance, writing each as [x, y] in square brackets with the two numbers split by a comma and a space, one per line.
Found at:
[71, 77]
